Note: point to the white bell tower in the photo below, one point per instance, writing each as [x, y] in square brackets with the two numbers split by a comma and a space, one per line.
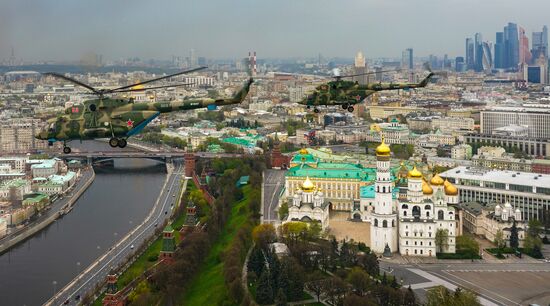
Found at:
[384, 217]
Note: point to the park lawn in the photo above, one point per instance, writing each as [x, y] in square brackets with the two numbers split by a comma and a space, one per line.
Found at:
[208, 286]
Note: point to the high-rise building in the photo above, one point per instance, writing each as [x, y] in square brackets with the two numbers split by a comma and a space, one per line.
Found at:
[511, 46]
[540, 43]
[360, 67]
[407, 59]
[499, 55]
[459, 64]
[470, 60]
[193, 62]
[524, 53]
[487, 59]
[478, 52]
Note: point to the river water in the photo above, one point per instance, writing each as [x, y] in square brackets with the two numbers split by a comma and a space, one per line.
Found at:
[118, 200]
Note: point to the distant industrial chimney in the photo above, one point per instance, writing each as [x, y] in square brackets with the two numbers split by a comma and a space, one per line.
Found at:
[252, 63]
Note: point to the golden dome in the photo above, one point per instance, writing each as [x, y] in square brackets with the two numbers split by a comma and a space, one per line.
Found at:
[303, 151]
[307, 185]
[450, 189]
[414, 173]
[426, 188]
[383, 149]
[138, 87]
[437, 180]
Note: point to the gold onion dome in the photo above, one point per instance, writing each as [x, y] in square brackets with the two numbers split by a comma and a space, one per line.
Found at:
[307, 185]
[437, 180]
[414, 173]
[303, 151]
[450, 189]
[426, 188]
[383, 149]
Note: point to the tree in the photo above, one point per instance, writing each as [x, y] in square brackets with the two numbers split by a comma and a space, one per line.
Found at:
[280, 300]
[514, 239]
[256, 261]
[410, 298]
[316, 284]
[263, 235]
[535, 228]
[296, 278]
[370, 263]
[467, 245]
[440, 296]
[499, 241]
[442, 239]
[335, 290]
[283, 210]
[359, 280]
[264, 291]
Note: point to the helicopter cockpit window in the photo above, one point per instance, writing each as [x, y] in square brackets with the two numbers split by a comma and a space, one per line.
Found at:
[51, 127]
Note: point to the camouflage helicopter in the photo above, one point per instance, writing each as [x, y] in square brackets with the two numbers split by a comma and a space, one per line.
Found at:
[118, 119]
[348, 93]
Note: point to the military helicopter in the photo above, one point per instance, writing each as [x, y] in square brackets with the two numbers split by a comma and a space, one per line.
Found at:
[118, 119]
[349, 93]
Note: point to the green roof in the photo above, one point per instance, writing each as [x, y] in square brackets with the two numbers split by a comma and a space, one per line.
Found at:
[37, 197]
[304, 158]
[333, 170]
[168, 228]
[367, 192]
[243, 180]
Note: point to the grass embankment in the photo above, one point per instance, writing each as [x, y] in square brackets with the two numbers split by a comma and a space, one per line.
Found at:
[208, 286]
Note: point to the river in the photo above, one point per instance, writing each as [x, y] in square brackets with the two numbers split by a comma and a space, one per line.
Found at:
[119, 199]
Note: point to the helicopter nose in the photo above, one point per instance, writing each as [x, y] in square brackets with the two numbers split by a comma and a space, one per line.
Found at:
[42, 135]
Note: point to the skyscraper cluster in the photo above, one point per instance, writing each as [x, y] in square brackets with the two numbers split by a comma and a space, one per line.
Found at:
[511, 51]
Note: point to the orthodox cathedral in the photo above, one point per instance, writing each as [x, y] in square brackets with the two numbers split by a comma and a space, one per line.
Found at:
[405, 210]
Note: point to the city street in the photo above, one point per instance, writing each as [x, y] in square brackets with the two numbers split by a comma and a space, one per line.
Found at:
[117, 255]
[272, 186]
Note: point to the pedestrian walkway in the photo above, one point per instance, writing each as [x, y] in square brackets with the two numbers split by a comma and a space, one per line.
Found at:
[436, 281]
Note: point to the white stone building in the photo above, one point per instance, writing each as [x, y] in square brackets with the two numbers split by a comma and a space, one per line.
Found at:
[309, 204]
[423, 211]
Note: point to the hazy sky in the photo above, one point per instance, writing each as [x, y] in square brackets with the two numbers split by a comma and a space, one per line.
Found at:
[67, 29]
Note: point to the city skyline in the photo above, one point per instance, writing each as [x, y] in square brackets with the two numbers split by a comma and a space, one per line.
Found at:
[66, 31]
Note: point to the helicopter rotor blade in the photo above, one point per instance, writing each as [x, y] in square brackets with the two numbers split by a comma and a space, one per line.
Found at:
[155, 80]
[366, 73]
[149, 88]
[66, 78]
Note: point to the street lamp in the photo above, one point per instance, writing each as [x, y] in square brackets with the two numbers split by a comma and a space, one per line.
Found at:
[54, 283]
[78, 267]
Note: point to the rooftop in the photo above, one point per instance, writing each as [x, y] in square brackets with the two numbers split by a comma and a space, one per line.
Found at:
[499, 176]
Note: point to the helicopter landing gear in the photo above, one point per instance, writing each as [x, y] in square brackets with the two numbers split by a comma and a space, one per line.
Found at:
[66, 149]
[122, 143]
[117, 142]
[113, 142]
[316, 110]
[351, 109]
[345, 106]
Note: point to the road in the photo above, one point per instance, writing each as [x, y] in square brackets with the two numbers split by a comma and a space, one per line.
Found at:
[125, 153]
[495, 283]
[272, 186]
[117, 255]
[54, 209]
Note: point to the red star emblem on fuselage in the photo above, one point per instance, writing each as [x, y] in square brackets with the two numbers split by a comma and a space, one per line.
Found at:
[358, 97]
[130, 123]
